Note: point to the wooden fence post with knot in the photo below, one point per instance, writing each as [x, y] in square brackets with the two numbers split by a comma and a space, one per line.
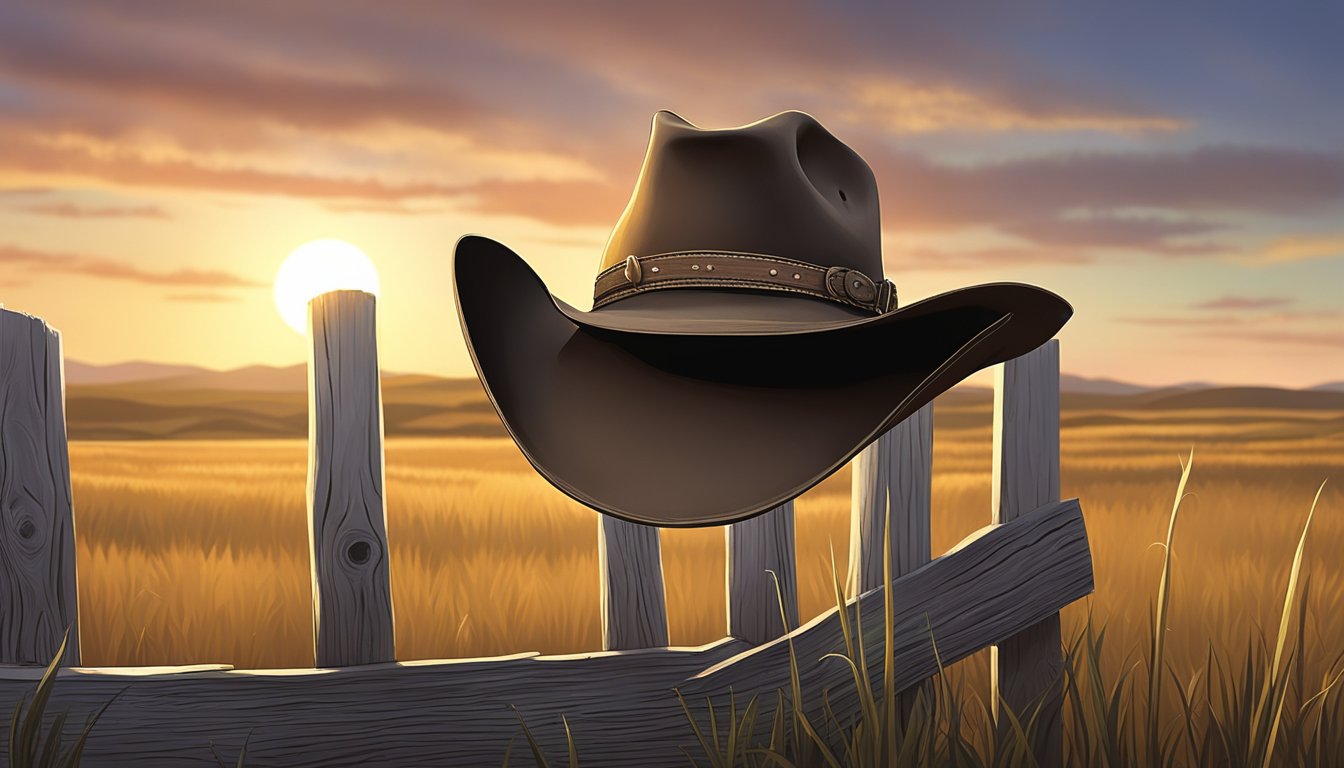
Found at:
[37, 525]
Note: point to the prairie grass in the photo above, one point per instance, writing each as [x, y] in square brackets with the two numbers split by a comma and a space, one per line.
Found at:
[196, 552]
[36, 743]
[1260, 713]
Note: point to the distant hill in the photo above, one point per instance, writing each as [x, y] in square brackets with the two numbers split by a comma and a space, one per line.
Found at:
[284, 378]
[1329, 386]
[186, 402]
[412, 405]
[1070, 383]
[261, 378]
[119, 373]
[1251, 397]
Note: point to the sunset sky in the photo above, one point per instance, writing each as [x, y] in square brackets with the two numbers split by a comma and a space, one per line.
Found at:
[1177, 174]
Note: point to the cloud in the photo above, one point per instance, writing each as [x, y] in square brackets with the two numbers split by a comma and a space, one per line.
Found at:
[900, 106]
[223, 82]
[1300, 248]
[1108, 230]
[383, 112]
[110, 269]
[1244, 302]
[1182, 321]
[66, 210]
[1327, 339]
[1236, 317]
[563, 203]
[94, 60]
[935, 259]
[202, 298]
[131, 168]
[1039, 191]
[390, 208]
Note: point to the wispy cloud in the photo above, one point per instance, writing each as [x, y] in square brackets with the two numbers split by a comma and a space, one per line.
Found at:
[1182, 321]
[202, 298]
[132, 168]
[1327, 339]
[389, 208]
[900, 106]
[1243, 302]
[1238, 318]
[919, 192]
[934, 259]
[1300, 248]
[66, 210]
[1254, 326]
[36, 261]
[566, 203]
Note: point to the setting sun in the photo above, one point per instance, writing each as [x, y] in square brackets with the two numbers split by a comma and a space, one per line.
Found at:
[318, 267]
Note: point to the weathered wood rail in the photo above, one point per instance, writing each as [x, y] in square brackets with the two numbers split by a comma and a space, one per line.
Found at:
[1003, 585]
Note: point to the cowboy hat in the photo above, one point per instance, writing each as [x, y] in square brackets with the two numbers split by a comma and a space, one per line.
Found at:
[743, 343]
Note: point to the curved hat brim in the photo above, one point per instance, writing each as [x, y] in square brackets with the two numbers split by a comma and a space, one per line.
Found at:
[689, 428]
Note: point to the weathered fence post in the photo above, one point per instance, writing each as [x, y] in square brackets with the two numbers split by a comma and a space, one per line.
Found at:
[763, 543]
[347, 523]
[37, 525]
[892, 476]
[1027, 669]
[630, 566]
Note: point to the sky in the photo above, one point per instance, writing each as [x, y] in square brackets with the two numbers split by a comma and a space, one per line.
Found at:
[1176, 173]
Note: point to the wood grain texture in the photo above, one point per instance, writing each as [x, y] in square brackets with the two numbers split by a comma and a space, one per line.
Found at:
[37, 527]
[620, 706]
[893, 474]
[896, 473]
[352, 596]
[630, 567]
[1027, 669]
[756, 547]
[993, 585]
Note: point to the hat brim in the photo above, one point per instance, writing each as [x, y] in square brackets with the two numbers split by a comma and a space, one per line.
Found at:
[707, 426]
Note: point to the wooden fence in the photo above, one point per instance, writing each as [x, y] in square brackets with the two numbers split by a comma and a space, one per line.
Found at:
[1002, 587]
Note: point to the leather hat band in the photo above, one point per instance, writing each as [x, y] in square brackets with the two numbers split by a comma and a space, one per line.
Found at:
[726, 269]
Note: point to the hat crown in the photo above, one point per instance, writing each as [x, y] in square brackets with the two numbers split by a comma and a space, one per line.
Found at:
[783, 186]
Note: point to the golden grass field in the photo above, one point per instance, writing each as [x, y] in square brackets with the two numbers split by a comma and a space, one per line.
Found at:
[194, 552]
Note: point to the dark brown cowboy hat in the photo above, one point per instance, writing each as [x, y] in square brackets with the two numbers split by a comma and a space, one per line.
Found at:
[744, 343]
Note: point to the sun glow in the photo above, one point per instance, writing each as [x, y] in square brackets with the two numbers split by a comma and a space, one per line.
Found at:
[314, 269]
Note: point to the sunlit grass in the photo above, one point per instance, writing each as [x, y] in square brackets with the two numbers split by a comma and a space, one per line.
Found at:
[196, 552]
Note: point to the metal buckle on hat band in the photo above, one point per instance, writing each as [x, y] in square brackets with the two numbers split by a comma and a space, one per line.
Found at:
[727, 269]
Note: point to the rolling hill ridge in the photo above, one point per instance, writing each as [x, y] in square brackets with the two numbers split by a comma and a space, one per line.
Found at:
[149, 401]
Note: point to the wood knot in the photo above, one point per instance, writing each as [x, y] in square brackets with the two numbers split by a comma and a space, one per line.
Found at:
[358, 552]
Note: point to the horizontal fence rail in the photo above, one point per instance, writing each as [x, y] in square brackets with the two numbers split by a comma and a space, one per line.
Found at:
[620, 706]
[1004, 586]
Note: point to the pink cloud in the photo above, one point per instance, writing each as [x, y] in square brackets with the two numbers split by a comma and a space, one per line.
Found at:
[110, 269]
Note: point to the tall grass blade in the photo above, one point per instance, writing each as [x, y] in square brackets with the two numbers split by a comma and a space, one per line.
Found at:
[532, 744]
[1272, 683]
[569, 741]
[888, 649]
[1159, 629]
